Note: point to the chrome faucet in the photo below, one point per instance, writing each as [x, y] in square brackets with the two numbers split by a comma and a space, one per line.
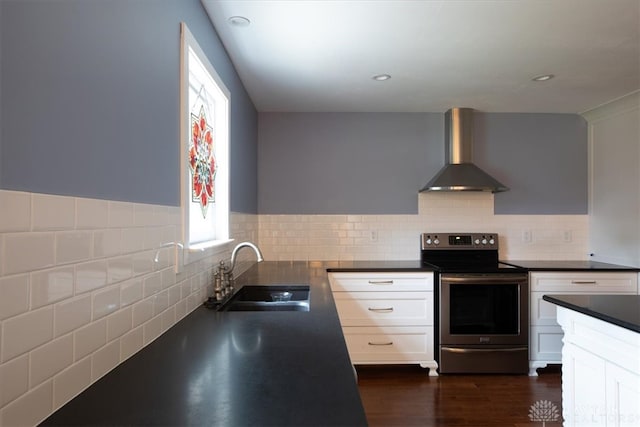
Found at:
[223, 277]
[235, 252]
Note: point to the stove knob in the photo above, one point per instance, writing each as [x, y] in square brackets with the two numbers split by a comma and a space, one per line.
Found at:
[428, 242]
[436, 242]
[484, 241]
[492, 242]
[477, 242]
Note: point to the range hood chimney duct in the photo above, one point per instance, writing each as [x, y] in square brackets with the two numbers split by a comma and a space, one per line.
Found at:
[459, 173]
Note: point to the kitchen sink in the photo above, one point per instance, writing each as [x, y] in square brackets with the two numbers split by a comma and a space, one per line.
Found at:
[269, 298]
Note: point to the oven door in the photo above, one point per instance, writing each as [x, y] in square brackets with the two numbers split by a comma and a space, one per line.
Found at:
[484, 309]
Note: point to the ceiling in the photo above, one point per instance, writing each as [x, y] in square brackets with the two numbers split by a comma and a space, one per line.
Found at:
[320, 56]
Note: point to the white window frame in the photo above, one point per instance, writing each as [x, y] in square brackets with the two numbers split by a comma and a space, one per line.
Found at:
[214, 229]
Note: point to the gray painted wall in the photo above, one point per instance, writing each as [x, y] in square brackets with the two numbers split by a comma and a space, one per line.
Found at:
[90, 96]
[357, 163]
[375, 163]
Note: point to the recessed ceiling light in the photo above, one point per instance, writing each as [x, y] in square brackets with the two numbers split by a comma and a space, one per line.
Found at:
[381, 77]
[543, 78]
[239, 21]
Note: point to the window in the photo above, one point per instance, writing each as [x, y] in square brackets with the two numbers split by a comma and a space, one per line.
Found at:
[204, 128]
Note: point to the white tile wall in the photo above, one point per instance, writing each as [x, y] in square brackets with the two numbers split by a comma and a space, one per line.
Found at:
[80, 292]
[396, 237]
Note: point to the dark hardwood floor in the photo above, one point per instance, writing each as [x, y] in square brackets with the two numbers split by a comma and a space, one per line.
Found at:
[406, 396]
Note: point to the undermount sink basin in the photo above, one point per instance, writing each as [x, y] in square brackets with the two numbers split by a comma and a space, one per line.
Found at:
[269, 298]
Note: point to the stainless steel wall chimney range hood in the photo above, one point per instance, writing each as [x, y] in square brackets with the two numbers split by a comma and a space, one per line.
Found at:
[459, 173]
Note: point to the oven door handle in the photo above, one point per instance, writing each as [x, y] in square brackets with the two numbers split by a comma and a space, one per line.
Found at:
[482, 279]
[483, 350]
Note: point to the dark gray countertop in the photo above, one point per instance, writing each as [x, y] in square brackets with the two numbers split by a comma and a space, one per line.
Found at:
[619, 310]
[376, 266]
[569, 265]
[235, 368]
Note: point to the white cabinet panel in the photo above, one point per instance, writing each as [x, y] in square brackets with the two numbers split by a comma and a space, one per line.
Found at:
[545, 332]
[390, 344]
[387, 317]
[384, 308]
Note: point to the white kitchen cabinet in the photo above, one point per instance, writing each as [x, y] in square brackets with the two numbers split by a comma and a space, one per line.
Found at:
[600, 372]
[387, 318]
[545, 334]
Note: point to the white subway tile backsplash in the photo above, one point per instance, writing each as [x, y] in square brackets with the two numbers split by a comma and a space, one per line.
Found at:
[53, 212]
[78, 290]
[107, 242]
[142, 263]
[105, 360]
[14, 377]
[168, 318]
[160, 302]
[152, 284]
[72, 314]
[73, 246]
[91, 276]
[120, 214]
[49, 286]
[25, 252]
[89, 338]
[15, 339]
[51, 358]
[119, 323]
[14, 295]
[152, 329]
[91, 214]
[142, 311]
[131, 343]
[130, 292]
[119, 269]
[133, 240]
[144, 216]
[30, 408]
[105, 302]
[71, 381]
[15, 211]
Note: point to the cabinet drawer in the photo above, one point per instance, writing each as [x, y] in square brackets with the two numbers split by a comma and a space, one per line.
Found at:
[585, 282]
[389, 345]
[384, 308]
[366, 282]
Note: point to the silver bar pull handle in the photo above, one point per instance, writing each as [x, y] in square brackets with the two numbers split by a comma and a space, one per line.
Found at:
[381, 310]
[483, 350]
[381, 282]
[380, 343]
[583, 282]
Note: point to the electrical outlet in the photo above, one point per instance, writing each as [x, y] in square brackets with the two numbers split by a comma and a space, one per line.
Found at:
[527, 236]
[373, 236]
[567, 236]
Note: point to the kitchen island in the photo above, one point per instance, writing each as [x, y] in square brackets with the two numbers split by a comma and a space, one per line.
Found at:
[235, 368]
[600, 359]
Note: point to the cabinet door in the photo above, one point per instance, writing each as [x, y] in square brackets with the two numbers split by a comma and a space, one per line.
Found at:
[545, 344]
[384, 308]
[583, 388]
[623, 396]
[542, 313]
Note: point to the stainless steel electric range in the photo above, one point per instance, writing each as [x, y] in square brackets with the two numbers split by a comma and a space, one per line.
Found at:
[482, 305]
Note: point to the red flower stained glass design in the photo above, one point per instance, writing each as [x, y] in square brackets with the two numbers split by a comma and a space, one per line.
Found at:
[202, 161]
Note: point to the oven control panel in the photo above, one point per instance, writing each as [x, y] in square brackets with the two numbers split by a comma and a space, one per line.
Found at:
[459, 241]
